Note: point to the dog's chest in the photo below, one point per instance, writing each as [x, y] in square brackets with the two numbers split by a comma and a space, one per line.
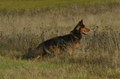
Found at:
[75, 44]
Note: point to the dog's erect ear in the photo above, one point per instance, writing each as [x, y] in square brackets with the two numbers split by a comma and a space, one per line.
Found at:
[81, 22]
[79, 25]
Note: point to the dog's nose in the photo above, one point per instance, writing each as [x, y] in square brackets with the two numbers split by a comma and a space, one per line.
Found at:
[88, 29]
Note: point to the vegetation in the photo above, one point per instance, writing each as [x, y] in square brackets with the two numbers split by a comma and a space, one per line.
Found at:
[38, 4]
[97, 57]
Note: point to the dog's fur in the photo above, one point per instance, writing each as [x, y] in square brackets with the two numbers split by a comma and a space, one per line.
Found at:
[60, 44]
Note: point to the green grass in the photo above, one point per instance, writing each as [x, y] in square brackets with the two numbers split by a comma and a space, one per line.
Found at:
[11, 64]
[39, 4]
[26, 69]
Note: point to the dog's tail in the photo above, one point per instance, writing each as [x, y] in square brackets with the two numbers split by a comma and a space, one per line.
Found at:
[30, 50]
[29, 54]
[33, 53]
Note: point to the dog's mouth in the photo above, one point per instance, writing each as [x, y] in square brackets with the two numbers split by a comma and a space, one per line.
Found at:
[84, 32]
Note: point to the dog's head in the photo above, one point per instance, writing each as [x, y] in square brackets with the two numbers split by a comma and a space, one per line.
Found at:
[80, 29]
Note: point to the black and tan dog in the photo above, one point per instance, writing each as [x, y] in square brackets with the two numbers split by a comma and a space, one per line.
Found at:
[60, 44]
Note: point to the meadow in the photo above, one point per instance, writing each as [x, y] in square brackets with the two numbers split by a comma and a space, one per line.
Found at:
[42, 4]
[29, 22]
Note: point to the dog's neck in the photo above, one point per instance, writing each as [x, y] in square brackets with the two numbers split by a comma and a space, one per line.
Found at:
[76, 35]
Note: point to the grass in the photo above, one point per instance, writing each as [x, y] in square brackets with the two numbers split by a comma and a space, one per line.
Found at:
[52, 69]
[38, 4]
[97, 57]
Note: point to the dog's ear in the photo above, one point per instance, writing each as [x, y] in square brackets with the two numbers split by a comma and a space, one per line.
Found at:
[81, 22]
[79, 25]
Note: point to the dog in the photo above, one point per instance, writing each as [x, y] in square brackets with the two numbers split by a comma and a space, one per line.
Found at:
[60, 44]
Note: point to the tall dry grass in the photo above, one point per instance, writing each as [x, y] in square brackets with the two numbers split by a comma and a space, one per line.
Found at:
[98, 54]
[19, 30]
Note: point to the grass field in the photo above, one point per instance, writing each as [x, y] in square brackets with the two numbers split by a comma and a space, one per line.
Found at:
[29, 22]
[38, 4]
